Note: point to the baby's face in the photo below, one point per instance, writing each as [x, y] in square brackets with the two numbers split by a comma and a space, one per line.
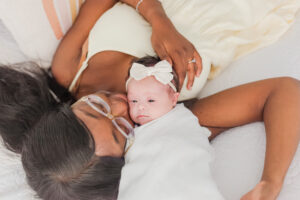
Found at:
[149, 99]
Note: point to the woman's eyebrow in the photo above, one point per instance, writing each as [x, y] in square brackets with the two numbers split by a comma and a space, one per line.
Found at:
[89, 114]
[115, 137]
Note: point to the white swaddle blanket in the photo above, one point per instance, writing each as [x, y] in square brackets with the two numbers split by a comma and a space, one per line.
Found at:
[169, 160]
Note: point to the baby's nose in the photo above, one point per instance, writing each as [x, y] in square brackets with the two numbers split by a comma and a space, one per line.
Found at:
[141, 106]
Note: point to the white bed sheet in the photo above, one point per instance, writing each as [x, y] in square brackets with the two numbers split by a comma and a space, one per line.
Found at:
[239, 151]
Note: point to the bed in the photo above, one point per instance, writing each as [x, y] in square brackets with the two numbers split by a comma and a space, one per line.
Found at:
[239, 152]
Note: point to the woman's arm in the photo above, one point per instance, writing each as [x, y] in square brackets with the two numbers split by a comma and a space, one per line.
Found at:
[276, 102]
[167, 42]
[68, 53]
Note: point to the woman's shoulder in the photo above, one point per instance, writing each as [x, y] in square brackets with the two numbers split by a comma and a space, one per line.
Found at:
[63, 75]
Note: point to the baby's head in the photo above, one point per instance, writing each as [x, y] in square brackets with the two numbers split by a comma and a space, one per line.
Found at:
[151, 94]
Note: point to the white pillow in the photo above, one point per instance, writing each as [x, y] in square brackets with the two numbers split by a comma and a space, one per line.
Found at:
[9, 50]
[13, 184]
[38, 25]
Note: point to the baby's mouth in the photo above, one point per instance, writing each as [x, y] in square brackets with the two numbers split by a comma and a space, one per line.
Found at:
[142, 116]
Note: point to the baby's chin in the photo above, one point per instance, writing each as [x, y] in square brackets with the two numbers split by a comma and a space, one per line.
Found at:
[143, 120]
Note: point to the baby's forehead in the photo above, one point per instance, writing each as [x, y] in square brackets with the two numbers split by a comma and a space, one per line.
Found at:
[147, 85]
[146, 82]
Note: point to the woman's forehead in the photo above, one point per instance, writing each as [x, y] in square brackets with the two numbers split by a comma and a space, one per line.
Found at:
[104, 95]
[93, 121]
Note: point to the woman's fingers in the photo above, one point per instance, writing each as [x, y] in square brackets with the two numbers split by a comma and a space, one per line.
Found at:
[169, 59]
[194, 69]
[163, 54]
[180, 68]
[198, 63]
[185, 60]
[190, 73]
[185, 64]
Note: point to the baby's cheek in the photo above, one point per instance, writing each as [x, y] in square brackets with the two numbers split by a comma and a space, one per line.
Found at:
[132, 112]
[163, 109]
[157, 112]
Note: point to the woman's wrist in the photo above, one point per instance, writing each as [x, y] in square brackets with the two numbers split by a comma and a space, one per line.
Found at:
[162, 24]
[151, 10]
[154, 13]
[264, 190]
[273, 177]
[276, 183]
[273, 187]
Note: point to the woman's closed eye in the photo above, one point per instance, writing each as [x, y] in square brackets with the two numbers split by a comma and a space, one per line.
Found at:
[151, 100]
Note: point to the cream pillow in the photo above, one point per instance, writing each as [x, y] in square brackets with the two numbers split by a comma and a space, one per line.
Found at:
[38, 25]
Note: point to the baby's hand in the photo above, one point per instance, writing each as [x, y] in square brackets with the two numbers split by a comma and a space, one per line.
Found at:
[264, 190]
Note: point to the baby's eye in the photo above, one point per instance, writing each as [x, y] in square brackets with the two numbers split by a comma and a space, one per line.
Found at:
[133, 101]
[151, 100]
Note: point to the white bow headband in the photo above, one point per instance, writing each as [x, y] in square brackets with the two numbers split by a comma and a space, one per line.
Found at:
[162, 71]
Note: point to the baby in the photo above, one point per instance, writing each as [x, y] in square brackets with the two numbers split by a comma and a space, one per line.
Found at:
[151, 91]
[170, 154]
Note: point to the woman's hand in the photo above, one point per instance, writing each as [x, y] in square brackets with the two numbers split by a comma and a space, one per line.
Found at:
[170, 45]
[264, 190]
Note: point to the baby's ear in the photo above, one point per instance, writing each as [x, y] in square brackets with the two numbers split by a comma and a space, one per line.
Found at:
[175, 98]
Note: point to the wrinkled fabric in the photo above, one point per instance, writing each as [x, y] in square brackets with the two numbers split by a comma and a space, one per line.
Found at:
[169, 159]
[221, 31]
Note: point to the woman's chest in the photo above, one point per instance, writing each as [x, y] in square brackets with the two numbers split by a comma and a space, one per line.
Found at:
[107, 70]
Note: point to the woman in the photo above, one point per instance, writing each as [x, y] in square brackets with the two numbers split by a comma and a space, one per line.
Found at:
[68, 152]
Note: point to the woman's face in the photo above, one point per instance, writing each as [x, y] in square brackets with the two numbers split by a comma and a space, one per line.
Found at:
[108, 140]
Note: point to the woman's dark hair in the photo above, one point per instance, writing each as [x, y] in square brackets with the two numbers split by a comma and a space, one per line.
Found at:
[24, 97]
[60, 162]
[62, 94]
[58, 151]
[149, 61]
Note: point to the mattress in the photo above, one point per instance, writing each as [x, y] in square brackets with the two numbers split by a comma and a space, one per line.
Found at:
[239, 152]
